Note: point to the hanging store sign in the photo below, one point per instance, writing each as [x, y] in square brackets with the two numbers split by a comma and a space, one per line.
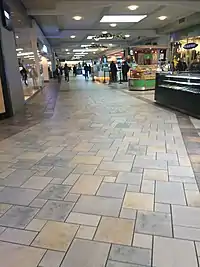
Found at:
[190, 46]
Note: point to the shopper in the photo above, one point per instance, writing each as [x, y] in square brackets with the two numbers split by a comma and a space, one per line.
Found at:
[66, 71]
[89, 70]
[181, 65]
[125, 70]
[74, 71]
[86, 69]
[113, 70]
[58, 74]
[24, 75]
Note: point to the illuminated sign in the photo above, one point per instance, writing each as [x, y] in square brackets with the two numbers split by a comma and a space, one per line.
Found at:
[190, 46]
[44, 49]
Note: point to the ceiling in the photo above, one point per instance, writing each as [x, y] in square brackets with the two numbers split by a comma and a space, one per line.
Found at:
[56, 20]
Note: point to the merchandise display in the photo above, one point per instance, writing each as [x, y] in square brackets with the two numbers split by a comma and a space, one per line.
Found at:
[142, 77]
[180, 91]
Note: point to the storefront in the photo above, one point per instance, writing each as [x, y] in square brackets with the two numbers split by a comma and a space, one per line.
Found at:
[145, 63]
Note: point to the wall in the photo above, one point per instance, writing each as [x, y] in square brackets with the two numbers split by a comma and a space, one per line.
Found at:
[11, 68]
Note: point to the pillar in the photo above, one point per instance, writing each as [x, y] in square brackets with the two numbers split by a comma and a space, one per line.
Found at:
[12, 79]
[44, 63]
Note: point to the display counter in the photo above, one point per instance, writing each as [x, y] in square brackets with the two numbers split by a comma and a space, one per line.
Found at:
[142, 78]
[179, 91]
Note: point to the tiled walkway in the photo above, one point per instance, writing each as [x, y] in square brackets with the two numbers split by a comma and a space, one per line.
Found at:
[106, 181]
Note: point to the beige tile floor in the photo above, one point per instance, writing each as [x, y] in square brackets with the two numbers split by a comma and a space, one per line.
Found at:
[105, 182]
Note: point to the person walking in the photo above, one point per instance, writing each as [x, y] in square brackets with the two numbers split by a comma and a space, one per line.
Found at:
[66, 71]
[74, 71]
[113, 70]
[89, 69]
[24, 75]
[86, 69]
[125, 69]
[58, 74]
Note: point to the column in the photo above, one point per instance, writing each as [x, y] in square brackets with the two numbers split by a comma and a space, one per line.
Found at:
[12, 83]
[44, 63]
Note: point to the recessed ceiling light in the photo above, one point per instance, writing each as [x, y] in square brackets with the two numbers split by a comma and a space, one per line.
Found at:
[66, 49]
[104, 32]
[110, 44]
[17, 36]
[68, 53]
[113, 25]
[19, 49]
[162, 17]
[127, 35]
[133, 7]
[94, 52]
[77, 17]
[122, 18]
[73, 36]
[90, 37]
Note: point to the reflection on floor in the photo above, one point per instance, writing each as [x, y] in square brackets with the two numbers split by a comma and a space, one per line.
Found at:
[2, 107]
[106, 181]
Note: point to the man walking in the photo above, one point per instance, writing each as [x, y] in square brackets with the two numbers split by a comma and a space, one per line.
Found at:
[66, 71]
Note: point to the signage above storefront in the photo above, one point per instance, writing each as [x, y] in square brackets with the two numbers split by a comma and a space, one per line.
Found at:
[190, 46]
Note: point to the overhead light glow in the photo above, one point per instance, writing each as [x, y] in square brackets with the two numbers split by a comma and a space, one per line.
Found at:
[110, 44]
[17, 36]
[73, 36]
[127, 35]
[19, 49]
[90, 37]
[66, 49]
[68, 53]
[94, 52]
[25, 54]
[77, 18]
[113, 25]
[122, 18]
[162, 17]
[104, 32]
[84, 50]
[133, 7]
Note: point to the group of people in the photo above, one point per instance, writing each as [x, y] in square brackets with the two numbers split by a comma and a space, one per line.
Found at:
[113, 71]
[66, 70]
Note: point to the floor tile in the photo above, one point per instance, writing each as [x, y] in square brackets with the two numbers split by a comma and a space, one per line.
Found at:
[59, 172]
[71, 179]
[181, 171]
[85, 219]
[17, 196]
[150, 164]
[22, 237]
[187, 233]
[148, 187]
[55, 210]
[56, 236]
[170, 193]
[160, 207]
[17, 178]
[90, 253]
[18, 217]
[142, 241]
[85, 169]
[54, 192]
[38, 203]
[109, 179]
[37, 182]
[128, 214]
[72, 197]
[4, 207]
[115, 166]
[87, 160]
[129, 178]
[119, 264]
[154, 223]
[138, 201]
[133, 255]
[111, 190]
[115, 230]
[86, 232]
[175, 252]
[87, 184]
[52, 259]
[193, 198]
[21, 255]
[98, 205]
[157, 175]
[36, 225]
[186, 216]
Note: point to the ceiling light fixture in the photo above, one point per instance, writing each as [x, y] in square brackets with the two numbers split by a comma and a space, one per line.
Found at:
[104, 32]
[19, 49]
[25, 54]
[77, 18]
[110, 44]
[68, 53]
[113, 25]
[162, 17]
[83, 50]
[17, 36]
[66, 49]
[127, 35]
[133, 7]
[122, 18]
[90, 37]
[73, 36]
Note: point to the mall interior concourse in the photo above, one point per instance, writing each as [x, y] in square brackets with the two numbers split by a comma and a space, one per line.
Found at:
[99, 133]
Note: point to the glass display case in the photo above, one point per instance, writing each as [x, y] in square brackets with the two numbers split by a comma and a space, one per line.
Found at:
[180, 91]
[142, 77]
